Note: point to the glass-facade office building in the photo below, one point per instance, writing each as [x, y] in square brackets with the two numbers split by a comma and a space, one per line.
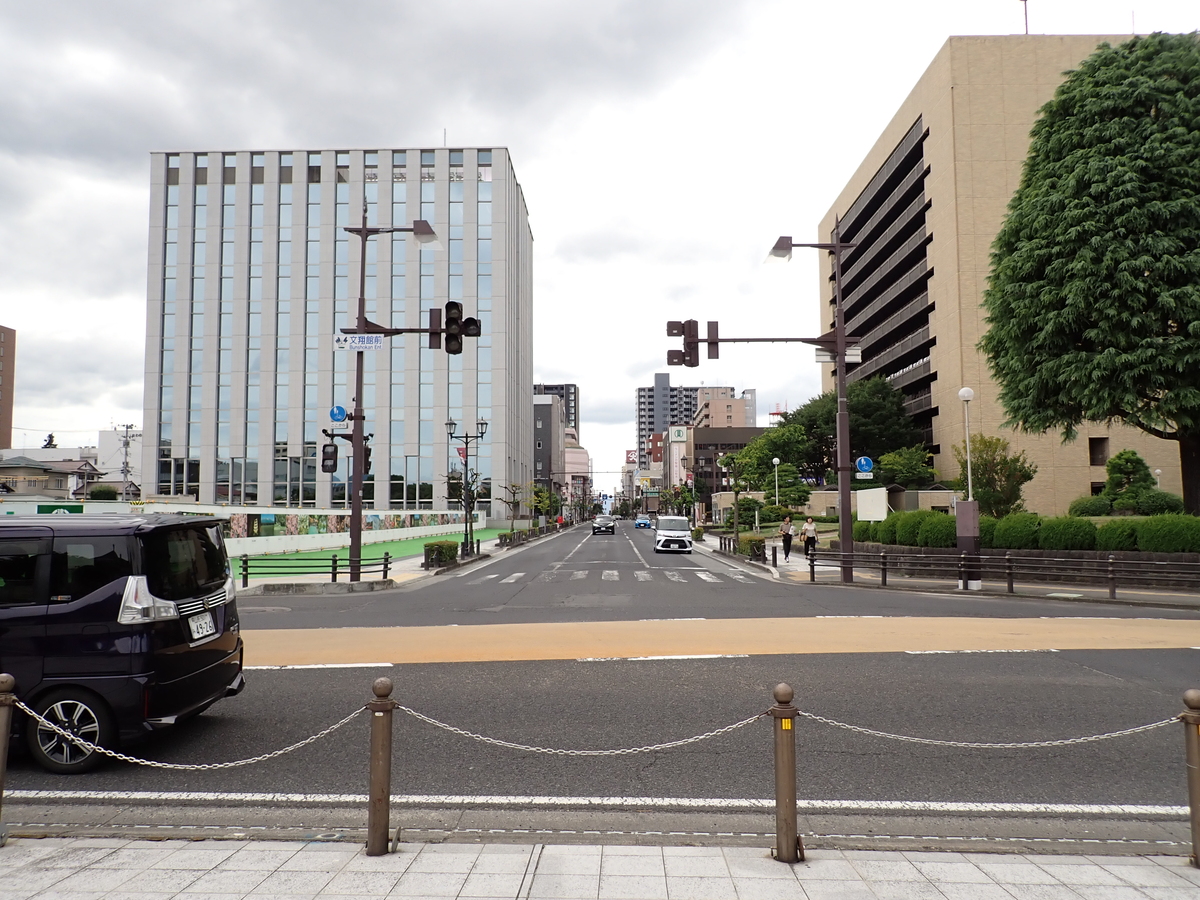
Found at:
[250, 278]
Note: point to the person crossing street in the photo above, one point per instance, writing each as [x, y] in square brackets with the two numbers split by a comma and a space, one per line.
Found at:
[787, 529]
[808, 531]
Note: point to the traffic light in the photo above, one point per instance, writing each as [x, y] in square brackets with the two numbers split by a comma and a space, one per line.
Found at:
[329, 457]
[714, 347]
[690, 354]
[453, 327]
[435, 329]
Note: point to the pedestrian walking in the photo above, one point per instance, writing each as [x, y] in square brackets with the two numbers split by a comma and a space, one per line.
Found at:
[787, 529]
[808, 531]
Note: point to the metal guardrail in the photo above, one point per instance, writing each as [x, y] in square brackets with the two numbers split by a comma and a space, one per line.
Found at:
[268, 565]
[509, 539]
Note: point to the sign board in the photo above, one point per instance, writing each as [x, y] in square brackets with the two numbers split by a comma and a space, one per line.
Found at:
[872, 504]
[853, 355]
[630, 457]
[339, 426]
[337, 414]
[864, 464]
[678, 433]
[864, 476]
[358, 342]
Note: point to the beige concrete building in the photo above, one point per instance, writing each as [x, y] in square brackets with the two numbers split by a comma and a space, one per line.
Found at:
[924, 207]
[723, 407]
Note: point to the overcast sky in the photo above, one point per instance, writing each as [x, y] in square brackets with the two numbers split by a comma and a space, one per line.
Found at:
[662, 146]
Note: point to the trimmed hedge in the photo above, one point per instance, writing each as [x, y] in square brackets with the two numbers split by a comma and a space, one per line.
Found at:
[908, 528]
[697, 534]
[751, 545]
[938, 530]
[987, 532]
[1067, 533]
[447, 551]
[885, 531]
[863, 531]
[774, 513]
[1157, 503]
[1169, 534]
[1090, 506]
[1119, 534]
[1017, 531]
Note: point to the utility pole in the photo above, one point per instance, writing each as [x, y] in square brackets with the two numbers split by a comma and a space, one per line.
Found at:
[125, 471]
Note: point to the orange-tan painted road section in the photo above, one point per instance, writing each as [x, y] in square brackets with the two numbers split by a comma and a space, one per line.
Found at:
[579, 640]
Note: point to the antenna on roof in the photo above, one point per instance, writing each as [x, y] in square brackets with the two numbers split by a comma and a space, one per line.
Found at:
[1026, 3]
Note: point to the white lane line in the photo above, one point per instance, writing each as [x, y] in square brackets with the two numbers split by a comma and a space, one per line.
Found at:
[946, 652]
[643, 575]
[484, 578]
[513, 577]
[572, 553]
[580, 575]
[660, 658]
[687, 619]
[708, 576]
[322, 666]
[641, 558]
[619, 802]
[674, 576]
[610, 575]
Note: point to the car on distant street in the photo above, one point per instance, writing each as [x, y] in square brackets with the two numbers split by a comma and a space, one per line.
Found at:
[672, 534]
[642, 522]
[604, 523]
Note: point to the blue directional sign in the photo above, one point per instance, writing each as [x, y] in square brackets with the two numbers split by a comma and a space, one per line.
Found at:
[337, 414]
[864, 464]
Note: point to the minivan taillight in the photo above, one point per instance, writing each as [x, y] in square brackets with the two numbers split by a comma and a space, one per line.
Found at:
[139, 605]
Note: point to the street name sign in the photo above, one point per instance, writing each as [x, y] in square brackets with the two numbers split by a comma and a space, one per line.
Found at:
[358, 342]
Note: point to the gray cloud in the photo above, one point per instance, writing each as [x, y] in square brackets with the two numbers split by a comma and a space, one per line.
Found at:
[73, 372]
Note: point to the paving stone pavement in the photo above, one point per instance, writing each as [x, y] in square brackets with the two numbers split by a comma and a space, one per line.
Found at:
[114, 869]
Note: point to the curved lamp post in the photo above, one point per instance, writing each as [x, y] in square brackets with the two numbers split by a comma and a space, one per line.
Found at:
[967, 513]
[966, 395]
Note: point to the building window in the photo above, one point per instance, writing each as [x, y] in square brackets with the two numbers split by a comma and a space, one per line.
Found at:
[427, 157]
[1097, 488]
[1098, 451]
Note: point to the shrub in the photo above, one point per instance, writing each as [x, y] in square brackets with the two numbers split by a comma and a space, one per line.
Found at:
[908, 528]
[1128, 501]
[774, 513]
[751, 545]
[697, 534]
[862, 531]
[886, 533]
[1090, 506]
[1067, 533]
[987, 532]
[1016, 531]
[938, 530]
[1118, 534]
[1168, 534]
[1156, 503]
[446, 551]
[103, 492]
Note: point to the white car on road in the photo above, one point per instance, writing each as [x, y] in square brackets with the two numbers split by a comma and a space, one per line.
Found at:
[672, 534]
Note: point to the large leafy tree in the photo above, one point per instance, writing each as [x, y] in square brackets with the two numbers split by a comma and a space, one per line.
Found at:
[1094, 296]
[996, 475]
[878, 425]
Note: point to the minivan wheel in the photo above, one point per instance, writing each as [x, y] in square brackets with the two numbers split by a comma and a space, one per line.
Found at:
[82, 714]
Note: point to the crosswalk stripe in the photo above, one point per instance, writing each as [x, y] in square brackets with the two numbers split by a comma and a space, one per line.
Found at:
[707, 576]
[513, 577]
[483, 579]
[675, 576]
[641, 575]
[610, 575]
[580, 575]
[740, 577]
[545, 576]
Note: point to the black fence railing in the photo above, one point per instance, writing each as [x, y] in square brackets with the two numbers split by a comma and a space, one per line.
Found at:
[334, 566]
[525, 535]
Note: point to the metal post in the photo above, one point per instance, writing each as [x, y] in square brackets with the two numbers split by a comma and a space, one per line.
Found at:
[883, 569]
[334, 564]
[1112, 578]
[356, 436]
[245, 570]
[8, 685]
[812, 567]
[1008, 570]
[845, 526]
[962, 572]
[774, 557]
[788, 847]
[379, 790]
[1191, 743]
[387, 557]
[478, 546]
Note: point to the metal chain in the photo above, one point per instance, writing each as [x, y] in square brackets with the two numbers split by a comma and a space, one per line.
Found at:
[980, 745]
[188, 767]
[555, 751]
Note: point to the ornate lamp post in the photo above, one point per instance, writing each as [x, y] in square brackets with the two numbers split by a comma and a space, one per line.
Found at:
[468, 501]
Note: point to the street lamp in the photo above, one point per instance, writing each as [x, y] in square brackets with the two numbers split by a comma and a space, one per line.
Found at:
[775, 463]
[468, 502]
[836, 342]
[966, 395]
[424, 233]
[1158, 478]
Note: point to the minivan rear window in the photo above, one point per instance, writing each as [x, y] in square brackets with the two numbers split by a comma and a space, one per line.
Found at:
[82, 564]
[184, 562]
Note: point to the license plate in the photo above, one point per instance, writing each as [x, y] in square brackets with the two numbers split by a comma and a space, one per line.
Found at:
[202, 626]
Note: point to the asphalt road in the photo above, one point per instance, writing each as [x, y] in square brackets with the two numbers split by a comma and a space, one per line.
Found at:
[1001, 696]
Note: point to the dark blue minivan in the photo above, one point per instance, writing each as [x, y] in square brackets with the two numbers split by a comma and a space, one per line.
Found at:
[114, 626]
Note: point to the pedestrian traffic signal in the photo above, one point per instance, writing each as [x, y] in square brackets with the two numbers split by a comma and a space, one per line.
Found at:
[453, 327]
[329, 457]
[690, 354]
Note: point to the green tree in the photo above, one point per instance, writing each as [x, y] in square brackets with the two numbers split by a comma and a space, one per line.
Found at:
[878, 425]
[512, 496]
[102, 492]
[1128, 478]
[735, 470]
[908, 466]
[997, 476]
[1093, 300]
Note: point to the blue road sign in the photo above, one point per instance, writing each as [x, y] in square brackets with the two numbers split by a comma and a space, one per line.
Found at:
[864, 464]
[337, 414]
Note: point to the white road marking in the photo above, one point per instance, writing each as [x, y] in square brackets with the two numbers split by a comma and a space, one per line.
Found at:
[659, 658]
[739, 576]
[484, 578]
[513, 577]
[545, 576]
[610, 575]
[674, 576]
[708, 576]
[1179, 812]
[322, 666]
[944, 652]
[572, 553]
[580, 575]
[688, 619]
[638, 552]
[643, 576]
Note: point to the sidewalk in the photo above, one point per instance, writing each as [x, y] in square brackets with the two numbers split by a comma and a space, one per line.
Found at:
[95, 868]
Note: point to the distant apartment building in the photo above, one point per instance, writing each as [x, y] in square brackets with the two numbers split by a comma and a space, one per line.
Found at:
[569, 394]
[660, 406]
[251, 277]
[923, 209]
[722, 407]
[8, 368]
[705, 447]
[549, 443]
